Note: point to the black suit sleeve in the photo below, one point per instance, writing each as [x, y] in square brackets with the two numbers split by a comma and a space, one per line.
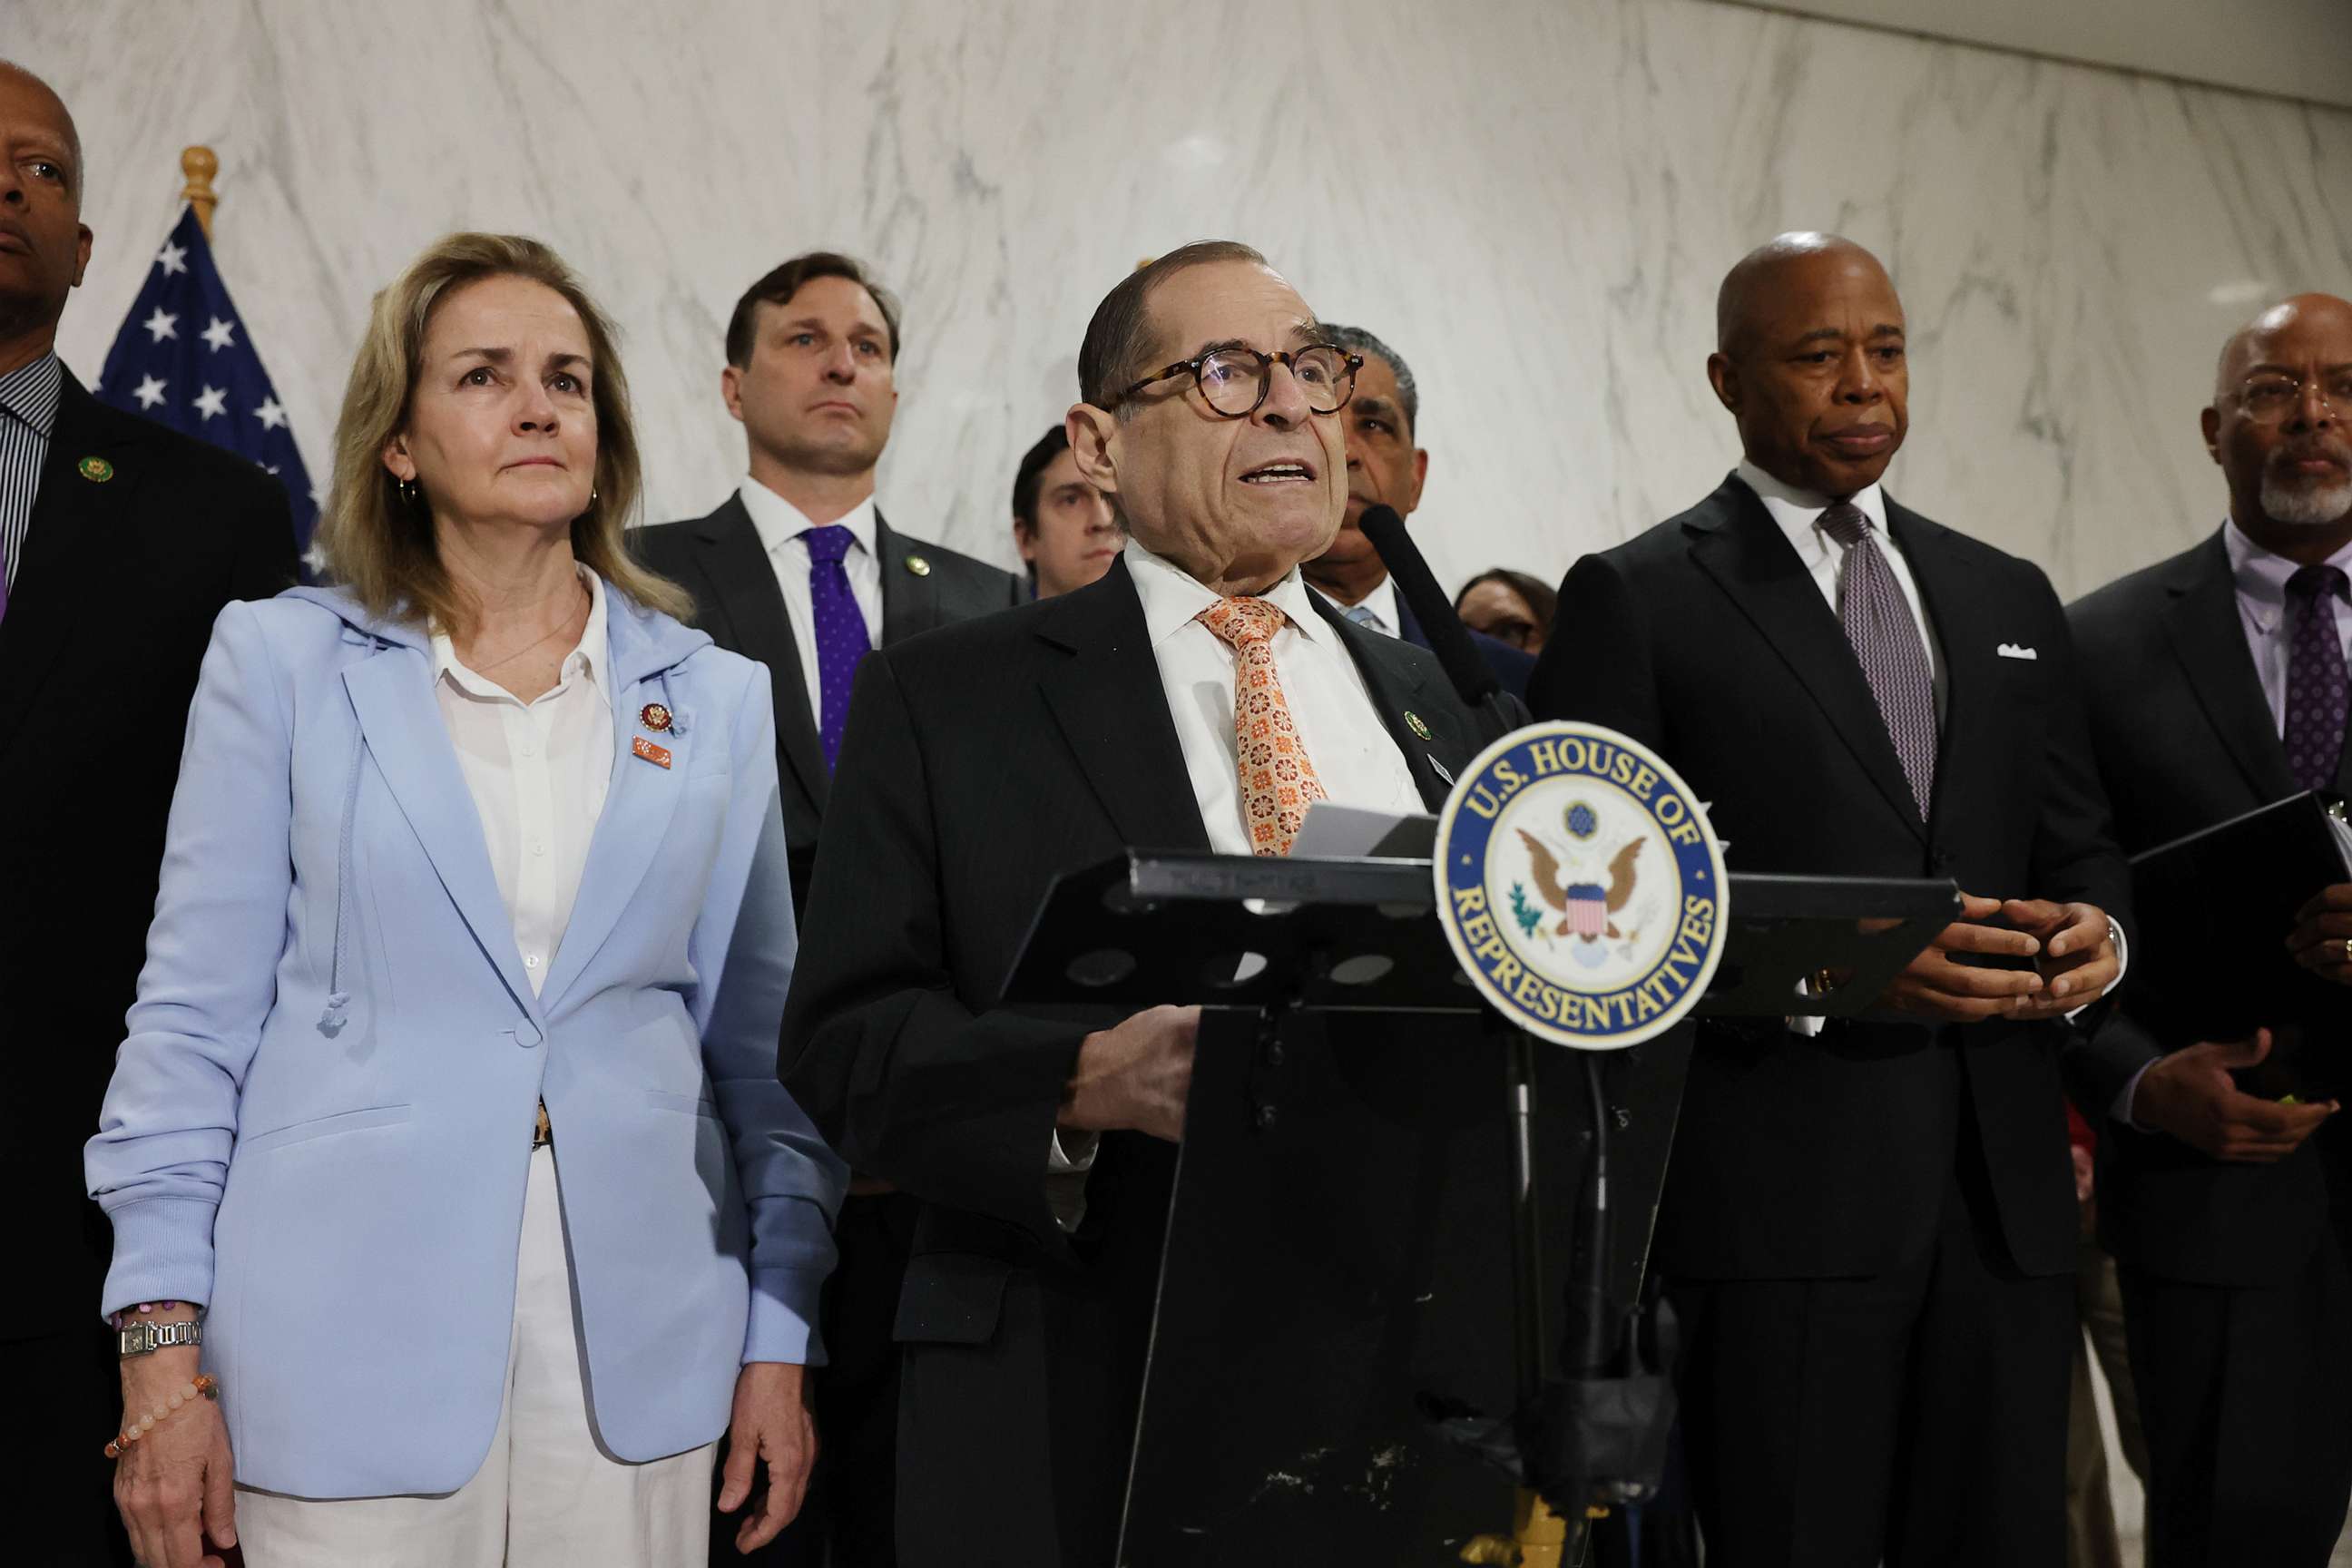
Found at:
[261, 521]
[1595, 666]
[2076, 858]
[907, 1082]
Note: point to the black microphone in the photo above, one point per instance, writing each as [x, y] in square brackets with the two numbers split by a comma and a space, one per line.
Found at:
[1449, 639]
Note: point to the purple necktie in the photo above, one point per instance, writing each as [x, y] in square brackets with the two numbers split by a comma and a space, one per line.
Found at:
[842, 638]
[2315, 676]
[1878, 623]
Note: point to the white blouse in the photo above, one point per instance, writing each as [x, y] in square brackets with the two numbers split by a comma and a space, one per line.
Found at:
[538, 772]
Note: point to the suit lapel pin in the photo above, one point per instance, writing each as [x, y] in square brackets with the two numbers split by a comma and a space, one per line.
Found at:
[653, 717]
[918, 566]
[657, 755]
[1412, 723]
[97, 470]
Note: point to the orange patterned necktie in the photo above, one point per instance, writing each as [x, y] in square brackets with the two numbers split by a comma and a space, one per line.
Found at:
[1277, 781]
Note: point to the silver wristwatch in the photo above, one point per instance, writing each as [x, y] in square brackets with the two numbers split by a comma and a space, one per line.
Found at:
[146, 1339]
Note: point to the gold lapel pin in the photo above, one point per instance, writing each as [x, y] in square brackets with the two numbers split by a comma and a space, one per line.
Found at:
[918, 566]
[653, 717]
[1412, 723]
[97, 470]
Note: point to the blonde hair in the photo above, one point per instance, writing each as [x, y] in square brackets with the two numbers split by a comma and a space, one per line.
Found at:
[381, 546]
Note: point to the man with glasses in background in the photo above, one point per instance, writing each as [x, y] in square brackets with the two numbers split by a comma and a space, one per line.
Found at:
[2217, 685]
[1197, 697]
[1386, 469]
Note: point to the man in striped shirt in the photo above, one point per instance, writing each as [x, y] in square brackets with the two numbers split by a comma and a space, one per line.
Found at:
[119, 542]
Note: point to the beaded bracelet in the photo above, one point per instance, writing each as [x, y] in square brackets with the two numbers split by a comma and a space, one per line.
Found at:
[122, 1320]
[205, 1384]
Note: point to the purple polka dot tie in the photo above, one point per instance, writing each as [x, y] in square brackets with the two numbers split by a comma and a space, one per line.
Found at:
[842, 638]
[2315, 676]
[1886, 639]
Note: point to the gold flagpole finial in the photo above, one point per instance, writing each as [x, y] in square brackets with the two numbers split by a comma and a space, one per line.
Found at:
[199, 164]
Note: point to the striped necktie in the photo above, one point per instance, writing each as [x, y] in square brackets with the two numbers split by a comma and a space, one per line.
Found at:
[1885, 640]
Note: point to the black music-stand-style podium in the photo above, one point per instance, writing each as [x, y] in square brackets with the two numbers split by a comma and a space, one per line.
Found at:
[1386, 1192]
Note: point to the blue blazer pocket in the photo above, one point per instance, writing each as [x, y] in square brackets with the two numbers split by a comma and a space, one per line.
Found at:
[331, 1126]
[950, 1298]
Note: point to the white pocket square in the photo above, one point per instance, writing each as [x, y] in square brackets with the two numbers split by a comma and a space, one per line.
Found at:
[2011, 650]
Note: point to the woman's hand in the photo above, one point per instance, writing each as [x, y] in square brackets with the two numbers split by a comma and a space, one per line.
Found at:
[771, 1424]
[174, 1485]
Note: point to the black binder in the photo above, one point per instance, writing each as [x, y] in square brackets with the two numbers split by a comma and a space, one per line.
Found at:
[2209, 959]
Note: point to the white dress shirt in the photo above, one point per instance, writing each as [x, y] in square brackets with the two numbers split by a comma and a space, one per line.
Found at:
[2260, 578]
[1380, 604]
[1345, 738]
[538, 772]
[1799, 513]
[780, 525]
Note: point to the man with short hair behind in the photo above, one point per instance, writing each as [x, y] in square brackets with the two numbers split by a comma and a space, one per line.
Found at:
[1065, 530]
[1868, 1229]
[1386, 469]
[798, 569]
[990, 758]
[119, 542]
[2217, 685]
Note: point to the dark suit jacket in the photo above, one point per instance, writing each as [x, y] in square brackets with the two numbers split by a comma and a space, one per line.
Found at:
[981, 761]
[1705, 637]
[2186, 739]
[1513, 667]
[718, 559]
[107, 624]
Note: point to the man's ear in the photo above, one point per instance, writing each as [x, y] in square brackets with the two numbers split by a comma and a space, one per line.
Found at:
[1025, 540]
[1724, 376]
[1420, 478]
[731, 391]
[1094, 435]
[397, 461]
[2211, 420]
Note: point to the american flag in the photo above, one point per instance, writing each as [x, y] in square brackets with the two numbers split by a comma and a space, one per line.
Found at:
[182, 359]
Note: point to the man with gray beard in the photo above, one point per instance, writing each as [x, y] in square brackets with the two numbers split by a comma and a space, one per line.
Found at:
[2217, 684]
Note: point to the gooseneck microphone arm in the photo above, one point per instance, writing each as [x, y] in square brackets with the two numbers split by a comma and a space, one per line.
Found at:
[1449, 639]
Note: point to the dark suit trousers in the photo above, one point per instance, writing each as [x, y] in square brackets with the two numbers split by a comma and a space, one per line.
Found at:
[2245, 1395]
[845, 1521]
[1920, 1415]
[71, 1398]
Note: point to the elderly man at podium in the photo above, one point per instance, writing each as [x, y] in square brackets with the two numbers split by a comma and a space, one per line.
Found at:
[986, 759]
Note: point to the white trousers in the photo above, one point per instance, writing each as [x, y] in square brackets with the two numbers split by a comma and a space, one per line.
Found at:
[546, 1496]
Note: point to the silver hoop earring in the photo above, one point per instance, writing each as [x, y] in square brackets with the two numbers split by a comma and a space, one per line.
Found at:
[408, 489]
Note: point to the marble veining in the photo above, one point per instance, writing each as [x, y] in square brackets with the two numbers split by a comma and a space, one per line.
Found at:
[1531, 199]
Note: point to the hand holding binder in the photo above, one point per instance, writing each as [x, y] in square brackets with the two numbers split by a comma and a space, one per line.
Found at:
[2322, 939]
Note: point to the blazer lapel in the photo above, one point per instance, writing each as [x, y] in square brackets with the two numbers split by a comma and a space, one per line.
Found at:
[745, 580]
[393, 696]
[76, 523]
[1402, 691]
[639, 802]
[1107, 698]
[1744, 551]
[2209, 640]
[910, 599]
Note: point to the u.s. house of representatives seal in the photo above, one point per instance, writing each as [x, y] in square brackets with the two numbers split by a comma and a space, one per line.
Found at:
[1580, 886]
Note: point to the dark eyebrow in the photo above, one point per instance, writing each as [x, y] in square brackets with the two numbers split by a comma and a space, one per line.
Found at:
[1364, 405]
[506, 356]
[1887, 329]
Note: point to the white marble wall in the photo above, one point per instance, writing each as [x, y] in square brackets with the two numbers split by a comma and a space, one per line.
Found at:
[1531, 199]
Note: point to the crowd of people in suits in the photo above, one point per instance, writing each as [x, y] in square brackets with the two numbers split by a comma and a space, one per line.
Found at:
[511, 1034]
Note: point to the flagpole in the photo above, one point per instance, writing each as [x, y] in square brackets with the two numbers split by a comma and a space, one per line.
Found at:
[199, 164]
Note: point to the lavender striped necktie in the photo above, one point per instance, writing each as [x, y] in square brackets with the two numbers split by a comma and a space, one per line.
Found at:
[2315, 680]
[1886, 638]
[842, 638]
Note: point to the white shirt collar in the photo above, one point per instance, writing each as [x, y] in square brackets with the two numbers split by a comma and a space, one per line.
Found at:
[1799, 511]
[2260, 575]
[585, 659]
[778, 520]
[1173, 599]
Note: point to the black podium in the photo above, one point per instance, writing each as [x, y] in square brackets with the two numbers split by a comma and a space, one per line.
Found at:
[1389, 1203]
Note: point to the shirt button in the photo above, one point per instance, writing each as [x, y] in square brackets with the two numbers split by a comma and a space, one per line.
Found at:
[539, 846]
[531, 961]
[526, 748]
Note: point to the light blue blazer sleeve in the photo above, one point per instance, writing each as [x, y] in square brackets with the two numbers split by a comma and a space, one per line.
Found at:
[171, 1114]
[744, 942]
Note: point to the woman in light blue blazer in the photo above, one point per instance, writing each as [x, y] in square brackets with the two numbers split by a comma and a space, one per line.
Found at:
[447, 1126]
